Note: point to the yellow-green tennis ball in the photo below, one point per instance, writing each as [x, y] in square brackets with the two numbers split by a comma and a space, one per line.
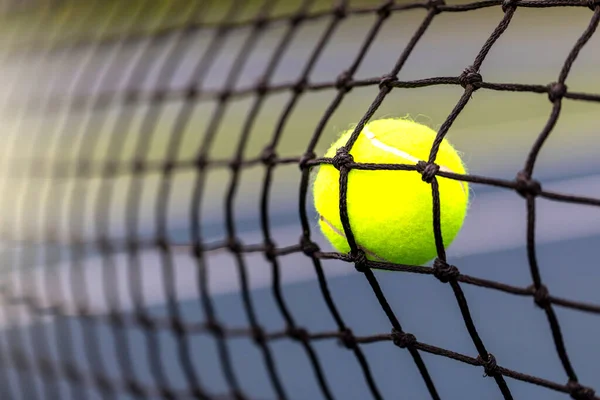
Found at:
[391, 212]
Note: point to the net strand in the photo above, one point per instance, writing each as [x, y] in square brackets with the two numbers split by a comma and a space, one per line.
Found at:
[111, 99]
[298, 334]
[241, 264]
[343, 157]
[86, 141]
[197, 249]
[34, 44]
[91, 339]
[15, 337]
[120, 340]
[231, 332]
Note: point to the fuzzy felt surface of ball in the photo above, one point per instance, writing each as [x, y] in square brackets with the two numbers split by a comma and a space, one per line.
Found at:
[391, 211]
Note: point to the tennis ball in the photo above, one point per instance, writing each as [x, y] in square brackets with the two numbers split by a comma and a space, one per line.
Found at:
[391, 212]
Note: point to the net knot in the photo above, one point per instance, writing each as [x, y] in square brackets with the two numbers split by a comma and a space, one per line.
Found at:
[296, 19]
[177, 327]
[470, 77]
[258, 335]
[360, 260]
[138, 167]
[435, 4]
[527, 186]
[579, 392]
[261, 22]
[427, 170]
[201, 163]
[132, 245]
[507, 5]
[386, 82]
[224, 96]
[104, 244]
[270, 252]
[191, 93]
[72, 373]
[46, 367]
[214, 328]
[385, 10]
[340, 10]
[197, 250]
[261, 87]
[238, 395]
[490, 367]
[234, 245]
[347, 339]
[541, 296]
[159, 96]
[168, 167]
[342, 82]
[135, 389]
[116, 319]
[166, 393]
[300, 86]
[268, 156]
[132, 96]
[308, 247]
[444, 272]
[82, 311]
[556, 91]
[402, 339]
[235, 165]
[162, 244]
[110, 169]
[592, 4]
[145, 322]
[103, 384]
[303, 163]
[342, 159]
[299, 334]
[59, 309]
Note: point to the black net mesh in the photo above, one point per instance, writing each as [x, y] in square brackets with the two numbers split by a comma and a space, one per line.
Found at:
[89, 157]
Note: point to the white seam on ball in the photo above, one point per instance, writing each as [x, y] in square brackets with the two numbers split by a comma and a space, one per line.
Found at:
[334, 229]
[379, 144]
[375, 142]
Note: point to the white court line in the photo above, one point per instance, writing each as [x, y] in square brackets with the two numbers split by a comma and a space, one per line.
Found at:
[496, 221]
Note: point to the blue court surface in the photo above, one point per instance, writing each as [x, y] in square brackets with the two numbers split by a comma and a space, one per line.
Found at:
[491, 246]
